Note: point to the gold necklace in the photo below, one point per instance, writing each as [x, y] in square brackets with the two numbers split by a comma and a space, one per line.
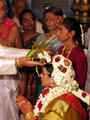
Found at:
[64, 51]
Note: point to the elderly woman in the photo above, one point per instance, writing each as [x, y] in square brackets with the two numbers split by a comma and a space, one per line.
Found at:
[52, 17]
[58, 100]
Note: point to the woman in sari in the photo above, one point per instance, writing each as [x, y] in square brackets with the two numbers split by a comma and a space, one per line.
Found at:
[70, 32]
[52, 17]
[27, 20]
[58, 100]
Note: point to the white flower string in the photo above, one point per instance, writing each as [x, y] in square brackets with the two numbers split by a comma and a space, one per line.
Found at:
[82, 34]
[45, 56]
[53, 93]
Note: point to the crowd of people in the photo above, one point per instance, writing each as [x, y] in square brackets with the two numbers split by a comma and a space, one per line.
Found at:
[42, 90]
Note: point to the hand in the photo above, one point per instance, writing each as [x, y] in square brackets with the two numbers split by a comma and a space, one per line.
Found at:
[24, 105]
[28, 62]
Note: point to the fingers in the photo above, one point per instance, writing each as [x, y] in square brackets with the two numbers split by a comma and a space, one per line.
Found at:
[20, 100]
[28, 62]
[36, 63]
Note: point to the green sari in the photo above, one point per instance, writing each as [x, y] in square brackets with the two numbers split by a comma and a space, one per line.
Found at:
[30, 42]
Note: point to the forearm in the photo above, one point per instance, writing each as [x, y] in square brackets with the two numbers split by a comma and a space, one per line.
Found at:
[7, 67]
[9, 52]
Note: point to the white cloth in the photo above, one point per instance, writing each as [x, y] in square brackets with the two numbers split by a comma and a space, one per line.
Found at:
[8, 107]
[7, 66]
[39, 28]
[9, 52]
[9, 81]
[7, 59]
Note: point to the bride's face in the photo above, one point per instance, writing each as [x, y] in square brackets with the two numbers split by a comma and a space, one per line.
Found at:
[45, 79]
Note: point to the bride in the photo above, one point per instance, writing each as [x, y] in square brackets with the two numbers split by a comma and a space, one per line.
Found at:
[59, 100]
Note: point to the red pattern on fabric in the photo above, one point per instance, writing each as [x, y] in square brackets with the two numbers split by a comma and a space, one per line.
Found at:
[45, 92]
[8, 24]
[75, 103]
[36, 118]
[57, 59]
[84, 94]
[79, 63]
[40, 105]
[64, 70]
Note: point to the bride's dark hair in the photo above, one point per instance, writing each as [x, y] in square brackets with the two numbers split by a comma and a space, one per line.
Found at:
[49, 68]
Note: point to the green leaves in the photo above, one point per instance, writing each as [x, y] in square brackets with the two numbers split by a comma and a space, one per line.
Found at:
[31, 53]
[38, 48]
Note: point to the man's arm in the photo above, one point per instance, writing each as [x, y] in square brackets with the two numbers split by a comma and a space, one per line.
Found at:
[15, 38]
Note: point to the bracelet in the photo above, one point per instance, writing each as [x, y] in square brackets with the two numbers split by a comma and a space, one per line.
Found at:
[17, 63]
[29, 115]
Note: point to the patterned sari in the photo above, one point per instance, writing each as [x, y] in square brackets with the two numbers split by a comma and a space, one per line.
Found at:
[65, 107]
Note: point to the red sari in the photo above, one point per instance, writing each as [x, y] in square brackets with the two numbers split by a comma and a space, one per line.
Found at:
[79, 63]
[8, 24]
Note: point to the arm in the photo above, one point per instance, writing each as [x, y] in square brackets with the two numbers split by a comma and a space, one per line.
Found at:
[9, 66]
[14, 38]
[9, 52]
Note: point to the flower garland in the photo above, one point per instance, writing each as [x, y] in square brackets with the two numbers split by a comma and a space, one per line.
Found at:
[63, 76]
[49, 94]
[45, 56]
[62, 69]
[82, 34]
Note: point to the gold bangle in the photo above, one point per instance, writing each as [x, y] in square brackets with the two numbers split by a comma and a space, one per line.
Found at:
[29, 115]
[17, 63]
